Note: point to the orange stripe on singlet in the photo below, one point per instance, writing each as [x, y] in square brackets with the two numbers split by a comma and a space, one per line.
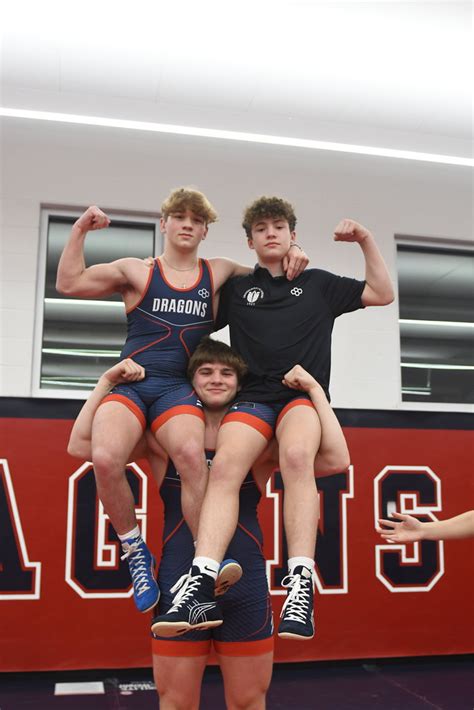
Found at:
[251, 421]
[290, 405]
[127, 403]
[175, 411]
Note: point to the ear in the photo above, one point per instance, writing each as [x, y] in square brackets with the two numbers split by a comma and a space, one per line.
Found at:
[205, 234]
[162, 224]
[250, 243]
[293, 236]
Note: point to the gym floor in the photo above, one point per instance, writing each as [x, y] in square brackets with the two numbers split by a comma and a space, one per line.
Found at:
[435, 683]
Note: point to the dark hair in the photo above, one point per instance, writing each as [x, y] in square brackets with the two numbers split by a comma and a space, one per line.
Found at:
[210, 350]
[187, 198]
[265, 208]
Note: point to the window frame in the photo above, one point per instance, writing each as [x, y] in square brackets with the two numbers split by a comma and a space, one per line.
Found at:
[59, 211]
[439, 244]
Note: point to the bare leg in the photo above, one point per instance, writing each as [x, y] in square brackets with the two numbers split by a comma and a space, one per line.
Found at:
[246, 680]
[238, 446]
[178, 680]
[298, 437]
[182, 437]
[115, 433]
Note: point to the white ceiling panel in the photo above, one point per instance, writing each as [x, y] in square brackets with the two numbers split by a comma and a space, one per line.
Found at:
[394, 74]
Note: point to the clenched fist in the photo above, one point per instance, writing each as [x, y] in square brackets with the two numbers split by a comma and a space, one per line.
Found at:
[93, 218]
[349, 231]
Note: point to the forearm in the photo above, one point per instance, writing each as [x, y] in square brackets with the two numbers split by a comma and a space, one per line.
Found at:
[81, 435]
[460, 526]
[333, 455]
[378, 290]
[71, 264]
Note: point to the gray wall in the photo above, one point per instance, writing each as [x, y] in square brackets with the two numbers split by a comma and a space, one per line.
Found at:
[46, 162]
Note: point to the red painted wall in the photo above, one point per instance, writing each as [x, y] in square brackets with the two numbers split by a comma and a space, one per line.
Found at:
[369, 612]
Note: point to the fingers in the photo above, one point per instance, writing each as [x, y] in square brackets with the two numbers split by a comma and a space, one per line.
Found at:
[388, 523]
[400, 516]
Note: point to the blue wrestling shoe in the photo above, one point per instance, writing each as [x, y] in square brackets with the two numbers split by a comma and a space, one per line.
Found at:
[297, 614]
[193, 607]
[229, 574]
[141, 564]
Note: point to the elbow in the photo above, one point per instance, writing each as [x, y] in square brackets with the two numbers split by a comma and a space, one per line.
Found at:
[329, 466]
[63, 287]
[78, 450]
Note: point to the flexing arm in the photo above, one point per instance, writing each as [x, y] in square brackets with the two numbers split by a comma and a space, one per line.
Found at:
[80, 440]
[73, 277]
[410, 529]
[378, 289]
[333, 454]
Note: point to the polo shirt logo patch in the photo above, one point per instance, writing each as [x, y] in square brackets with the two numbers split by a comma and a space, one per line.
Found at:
[296, 291]
[252, 295]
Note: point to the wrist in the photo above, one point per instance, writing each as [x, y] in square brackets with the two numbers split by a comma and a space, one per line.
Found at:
[295, 244]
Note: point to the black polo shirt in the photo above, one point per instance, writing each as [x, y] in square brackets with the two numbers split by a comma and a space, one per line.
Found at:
[275, 324]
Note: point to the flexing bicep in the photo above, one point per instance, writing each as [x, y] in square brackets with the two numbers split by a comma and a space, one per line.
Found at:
[96, 280]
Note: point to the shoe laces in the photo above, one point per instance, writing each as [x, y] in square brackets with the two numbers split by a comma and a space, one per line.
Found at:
[185, 587]
[137, 565]
[297, 602]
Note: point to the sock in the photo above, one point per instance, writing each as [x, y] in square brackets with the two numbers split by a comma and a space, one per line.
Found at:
[298, 561]
[207, 566]
[135, 532]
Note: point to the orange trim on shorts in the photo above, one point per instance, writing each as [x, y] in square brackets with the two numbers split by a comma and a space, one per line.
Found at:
[130, 406]
[290, 405]
[179, 409]
[244, 648]
[251, 421]
[183, 649]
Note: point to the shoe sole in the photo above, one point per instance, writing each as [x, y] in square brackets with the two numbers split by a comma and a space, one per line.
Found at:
[229, 576]
[169, 629]
[152, 606]
[297, 637]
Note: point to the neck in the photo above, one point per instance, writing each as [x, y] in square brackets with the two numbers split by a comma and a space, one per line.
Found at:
[178, 260]
[274, 267]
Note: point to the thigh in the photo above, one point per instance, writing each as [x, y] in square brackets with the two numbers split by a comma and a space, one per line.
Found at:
[237, 448]
[246, 679]
[178, 679]
[116, 429]
[298, 429]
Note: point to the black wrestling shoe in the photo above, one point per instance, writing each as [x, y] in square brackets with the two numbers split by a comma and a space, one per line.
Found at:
[297, 614]
[193, 607]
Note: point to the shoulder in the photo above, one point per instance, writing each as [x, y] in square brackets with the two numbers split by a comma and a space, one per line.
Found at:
[223, 269]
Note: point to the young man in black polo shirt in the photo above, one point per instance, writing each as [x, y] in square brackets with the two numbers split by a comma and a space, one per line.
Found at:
[274, 325]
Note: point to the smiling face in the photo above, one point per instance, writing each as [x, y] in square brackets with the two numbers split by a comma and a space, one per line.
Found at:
[270, 237]
[216, 384]
[183, 229]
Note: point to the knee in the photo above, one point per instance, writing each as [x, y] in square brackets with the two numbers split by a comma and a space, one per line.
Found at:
[106, 464]
[176, 698]
[297, 458]
[252, 698]
[188, 456]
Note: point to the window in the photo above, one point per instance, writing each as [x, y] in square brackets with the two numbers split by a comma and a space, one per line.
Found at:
[436, 296]
[77, 339]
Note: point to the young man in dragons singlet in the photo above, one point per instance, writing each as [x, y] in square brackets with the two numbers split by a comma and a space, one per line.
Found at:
[273, 325]
[244, 643]
[170, 306]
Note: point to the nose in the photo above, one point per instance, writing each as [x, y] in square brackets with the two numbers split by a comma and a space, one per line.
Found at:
[187, 223]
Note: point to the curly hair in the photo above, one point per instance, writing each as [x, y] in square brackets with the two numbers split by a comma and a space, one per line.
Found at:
[187, 198]
[268, 208]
